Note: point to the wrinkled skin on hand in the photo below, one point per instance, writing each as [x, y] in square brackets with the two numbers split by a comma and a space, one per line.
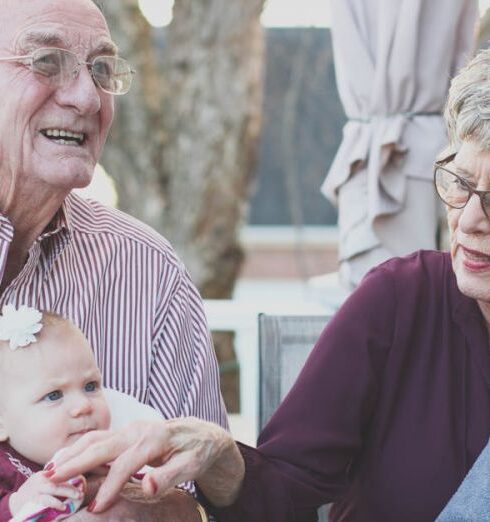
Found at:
[180, 450]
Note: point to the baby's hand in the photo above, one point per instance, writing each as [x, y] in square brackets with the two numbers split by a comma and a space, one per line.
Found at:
[41, 490]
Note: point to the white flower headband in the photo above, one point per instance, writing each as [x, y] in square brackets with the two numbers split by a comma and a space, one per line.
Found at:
[19, 326]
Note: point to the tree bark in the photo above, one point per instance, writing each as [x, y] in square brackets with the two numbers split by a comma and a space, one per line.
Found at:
[183, 146]
[132, 153]
[212, 109]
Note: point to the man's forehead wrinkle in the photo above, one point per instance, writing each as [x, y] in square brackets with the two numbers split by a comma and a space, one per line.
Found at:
[72, 24]
[33, 38]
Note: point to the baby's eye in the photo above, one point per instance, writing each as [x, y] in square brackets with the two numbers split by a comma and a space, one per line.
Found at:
[53, 396]
[92, 386]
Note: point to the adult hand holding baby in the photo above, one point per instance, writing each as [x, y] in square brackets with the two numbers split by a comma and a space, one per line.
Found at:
[180, 449]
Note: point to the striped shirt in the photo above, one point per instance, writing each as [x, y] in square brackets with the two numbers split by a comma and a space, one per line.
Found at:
[121, 283]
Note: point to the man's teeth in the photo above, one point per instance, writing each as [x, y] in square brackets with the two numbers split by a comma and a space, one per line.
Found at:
[64, 136]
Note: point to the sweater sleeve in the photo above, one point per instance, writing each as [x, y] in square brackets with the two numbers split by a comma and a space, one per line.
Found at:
[306, 450]
[5, 514]
[14, 471]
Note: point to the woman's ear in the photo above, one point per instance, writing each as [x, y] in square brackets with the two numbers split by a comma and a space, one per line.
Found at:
[3, 431]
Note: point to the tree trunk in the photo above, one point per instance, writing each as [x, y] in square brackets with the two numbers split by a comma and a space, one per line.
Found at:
[132, 154]
[212, 107]
[184, 142]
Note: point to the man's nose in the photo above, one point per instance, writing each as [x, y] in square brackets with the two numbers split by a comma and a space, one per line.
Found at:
[80, 92]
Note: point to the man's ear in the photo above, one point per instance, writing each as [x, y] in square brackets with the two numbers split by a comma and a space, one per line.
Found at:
[4, 436]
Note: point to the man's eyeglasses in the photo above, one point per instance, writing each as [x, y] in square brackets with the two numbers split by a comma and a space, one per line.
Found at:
[56, 67]
[455, 190]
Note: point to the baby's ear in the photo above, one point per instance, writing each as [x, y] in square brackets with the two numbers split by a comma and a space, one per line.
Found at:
[4, 436]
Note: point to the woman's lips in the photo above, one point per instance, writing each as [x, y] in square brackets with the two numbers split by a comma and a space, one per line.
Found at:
[475, 261]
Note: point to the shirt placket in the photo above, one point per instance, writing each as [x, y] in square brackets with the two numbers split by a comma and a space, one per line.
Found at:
[6, 236]
[26, 288]
[22, 289]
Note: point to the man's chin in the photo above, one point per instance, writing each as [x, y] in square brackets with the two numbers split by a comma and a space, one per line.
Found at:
[70, 178]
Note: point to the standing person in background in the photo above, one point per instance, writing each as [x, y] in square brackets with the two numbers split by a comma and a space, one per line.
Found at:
[116, 279]
[393, 63]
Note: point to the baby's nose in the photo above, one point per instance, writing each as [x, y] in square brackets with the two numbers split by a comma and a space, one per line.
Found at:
[81, 406]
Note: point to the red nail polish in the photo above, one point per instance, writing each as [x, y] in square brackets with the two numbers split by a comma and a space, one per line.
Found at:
[91, 506]
[48, 473]
[153, 485]
[49, 465]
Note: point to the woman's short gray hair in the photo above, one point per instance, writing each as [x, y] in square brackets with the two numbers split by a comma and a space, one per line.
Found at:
[467, 110]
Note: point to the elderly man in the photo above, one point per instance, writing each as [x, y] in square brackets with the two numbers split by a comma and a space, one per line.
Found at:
[115, 278]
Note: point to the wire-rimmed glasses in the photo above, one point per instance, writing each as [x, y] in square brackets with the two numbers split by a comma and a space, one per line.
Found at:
[455, 191]
[56, 67]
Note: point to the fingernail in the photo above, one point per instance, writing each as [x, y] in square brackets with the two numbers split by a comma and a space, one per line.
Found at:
[153, 485]
[48, 466]
[91, 506]
[48, 473]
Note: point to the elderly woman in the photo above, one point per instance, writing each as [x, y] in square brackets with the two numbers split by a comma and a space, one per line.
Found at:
[392, 407]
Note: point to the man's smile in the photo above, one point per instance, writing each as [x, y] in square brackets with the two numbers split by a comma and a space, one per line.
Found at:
[64, 136]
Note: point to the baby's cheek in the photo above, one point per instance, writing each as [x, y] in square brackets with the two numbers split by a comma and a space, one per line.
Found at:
[105, 421]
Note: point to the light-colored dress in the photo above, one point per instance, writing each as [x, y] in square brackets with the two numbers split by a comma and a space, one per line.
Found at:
[393, 63]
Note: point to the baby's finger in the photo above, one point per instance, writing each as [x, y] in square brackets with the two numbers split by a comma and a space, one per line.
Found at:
[61, 490]
[68, 492]
[51, 502]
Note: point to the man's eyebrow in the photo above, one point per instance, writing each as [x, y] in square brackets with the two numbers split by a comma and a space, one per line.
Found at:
[50, 39]
[105, 48]
[40, 38]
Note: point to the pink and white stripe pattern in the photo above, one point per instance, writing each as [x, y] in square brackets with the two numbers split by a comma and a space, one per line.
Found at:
[121, 283]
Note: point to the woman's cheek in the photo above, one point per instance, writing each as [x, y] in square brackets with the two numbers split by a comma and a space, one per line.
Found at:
[452, 221]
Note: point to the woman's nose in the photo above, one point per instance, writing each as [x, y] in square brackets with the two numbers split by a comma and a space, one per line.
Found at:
[473, 219]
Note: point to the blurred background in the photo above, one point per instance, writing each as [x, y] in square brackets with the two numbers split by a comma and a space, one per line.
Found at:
[222, 145]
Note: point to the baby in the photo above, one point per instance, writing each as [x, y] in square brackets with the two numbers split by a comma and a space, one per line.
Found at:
[51, 395]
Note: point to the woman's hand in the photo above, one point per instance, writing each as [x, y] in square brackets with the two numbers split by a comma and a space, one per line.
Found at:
[180, 449]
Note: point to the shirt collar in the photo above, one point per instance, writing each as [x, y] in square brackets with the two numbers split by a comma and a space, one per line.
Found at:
[59, 224]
